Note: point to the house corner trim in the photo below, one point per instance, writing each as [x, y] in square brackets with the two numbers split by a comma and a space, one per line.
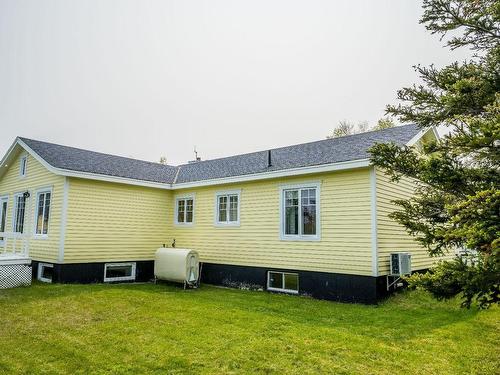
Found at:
[374, 245]
[64, 213]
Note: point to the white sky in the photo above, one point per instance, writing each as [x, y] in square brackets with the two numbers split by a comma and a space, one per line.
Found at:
[150, 78]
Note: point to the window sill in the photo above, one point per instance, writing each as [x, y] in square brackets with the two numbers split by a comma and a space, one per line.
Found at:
[187, 225]
[40, 236]
[300, 238]
[113, 279]
[227, 225]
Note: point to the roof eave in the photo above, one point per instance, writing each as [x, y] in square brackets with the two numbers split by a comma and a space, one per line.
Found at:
[8, 155]
[90, 176]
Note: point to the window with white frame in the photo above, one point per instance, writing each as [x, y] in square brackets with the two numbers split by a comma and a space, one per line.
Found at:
[283, 282]
[23, 164]
[19, 213]
[3, 216]
[184, 210]
[300, 212]
[119, 271]
[42, 212]
[45, 272]
[228, 208]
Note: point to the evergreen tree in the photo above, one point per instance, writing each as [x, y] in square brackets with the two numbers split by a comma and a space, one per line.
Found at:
[457, 202]
[384, 123]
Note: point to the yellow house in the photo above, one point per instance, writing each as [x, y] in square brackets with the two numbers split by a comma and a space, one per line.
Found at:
[309, 218]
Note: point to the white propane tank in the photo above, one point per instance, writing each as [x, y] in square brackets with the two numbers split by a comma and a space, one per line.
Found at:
[178, 265]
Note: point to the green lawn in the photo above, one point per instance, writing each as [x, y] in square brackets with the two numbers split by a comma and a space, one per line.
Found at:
[146, 328]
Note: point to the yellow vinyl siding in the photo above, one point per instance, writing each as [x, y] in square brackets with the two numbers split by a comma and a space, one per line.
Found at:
[391, 236]
[344, 246]
[114, 222]
[37, 177]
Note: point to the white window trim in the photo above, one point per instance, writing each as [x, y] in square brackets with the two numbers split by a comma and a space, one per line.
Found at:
[283, 290]
[21, 159]
[123, 278]
[14, 211]
[218, 194]
[301, 237]
[176, 208]
[35, 219]
[39, 273]
[4, 198]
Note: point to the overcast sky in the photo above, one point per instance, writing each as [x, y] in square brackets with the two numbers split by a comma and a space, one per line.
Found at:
[150, 78]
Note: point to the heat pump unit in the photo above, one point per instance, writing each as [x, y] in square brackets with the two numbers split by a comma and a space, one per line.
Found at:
[400, 264]
[178, 265]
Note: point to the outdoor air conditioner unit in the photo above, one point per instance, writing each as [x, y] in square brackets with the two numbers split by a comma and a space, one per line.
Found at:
[400, 264]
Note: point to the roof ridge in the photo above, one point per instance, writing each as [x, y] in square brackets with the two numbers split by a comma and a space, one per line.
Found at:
[299, 144]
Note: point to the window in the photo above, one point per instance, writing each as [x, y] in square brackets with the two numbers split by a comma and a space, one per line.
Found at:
[42, 212]
[184, 210]
[19, 213]
[23, 165]
[119, 271]
[3, 216]
[45, 272]
[300, 212]
[283, 282]
[228, 208]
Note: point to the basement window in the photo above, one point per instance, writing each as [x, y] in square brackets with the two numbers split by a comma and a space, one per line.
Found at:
[45, 272]
[119, 272]
[283, 282]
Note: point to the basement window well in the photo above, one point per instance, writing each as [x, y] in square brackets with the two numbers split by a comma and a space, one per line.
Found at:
[119, 272]
[283, 282]
[45, 272]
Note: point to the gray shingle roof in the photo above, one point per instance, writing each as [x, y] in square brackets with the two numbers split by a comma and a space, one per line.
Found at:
[76, 159]
[348, 148]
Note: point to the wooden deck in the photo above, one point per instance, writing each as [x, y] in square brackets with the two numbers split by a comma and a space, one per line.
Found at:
[9, 258]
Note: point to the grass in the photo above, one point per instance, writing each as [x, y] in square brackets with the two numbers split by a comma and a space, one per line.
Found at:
[146, 328]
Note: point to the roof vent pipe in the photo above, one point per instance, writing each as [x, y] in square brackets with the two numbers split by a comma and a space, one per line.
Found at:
[269, 163]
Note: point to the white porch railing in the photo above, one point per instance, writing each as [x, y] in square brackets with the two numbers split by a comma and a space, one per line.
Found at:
[12, 243]
[15, 264]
